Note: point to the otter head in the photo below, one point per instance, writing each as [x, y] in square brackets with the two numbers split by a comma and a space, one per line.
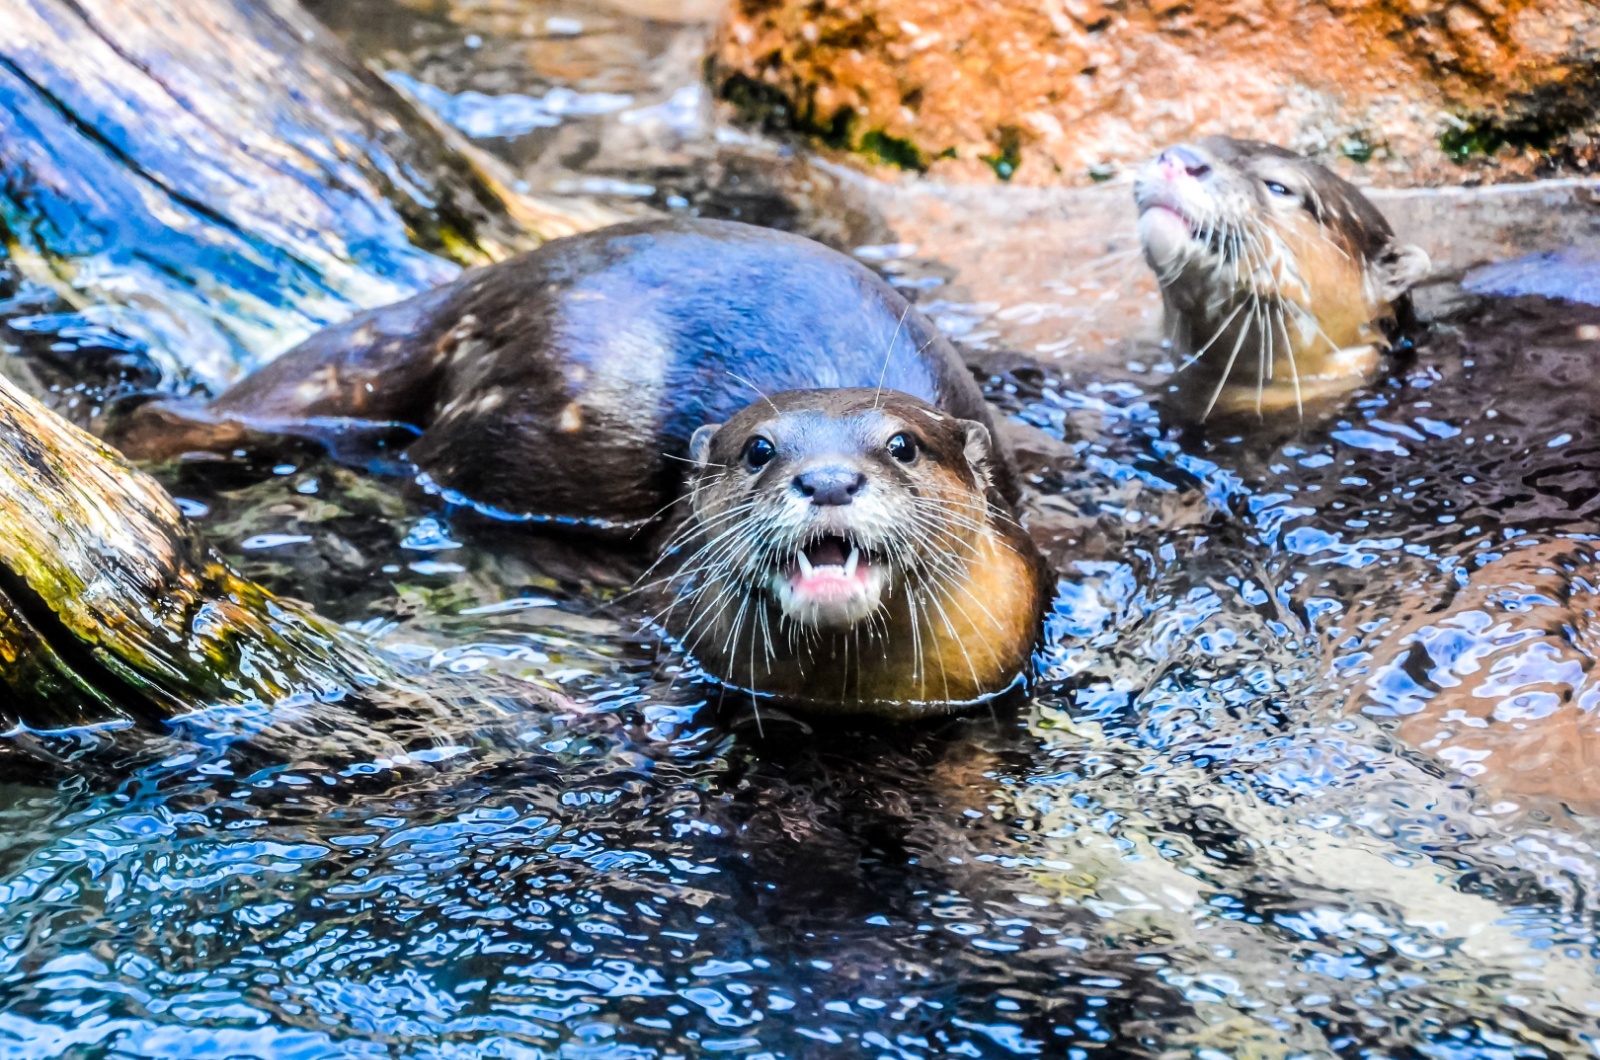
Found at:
[830, 533]
[1280, 279]
[833, 491]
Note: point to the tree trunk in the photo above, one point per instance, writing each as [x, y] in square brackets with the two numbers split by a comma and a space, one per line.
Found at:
[111, 610]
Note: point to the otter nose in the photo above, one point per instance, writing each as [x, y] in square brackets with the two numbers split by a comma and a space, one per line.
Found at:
[1181, 159]
[826, 486]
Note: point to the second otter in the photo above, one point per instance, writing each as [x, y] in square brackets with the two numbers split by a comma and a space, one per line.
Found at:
[848, 541]
[1281, 282]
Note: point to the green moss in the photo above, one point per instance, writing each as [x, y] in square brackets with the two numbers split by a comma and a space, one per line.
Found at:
[1486, 137]
[1539, 121]
[893, 151]
[1357, 148]
[766, 106]
[1462, 142]
[1006, 162]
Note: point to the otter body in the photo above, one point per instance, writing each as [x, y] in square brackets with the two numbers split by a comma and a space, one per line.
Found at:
[869, 562]
[1282, 284]
[565, 384]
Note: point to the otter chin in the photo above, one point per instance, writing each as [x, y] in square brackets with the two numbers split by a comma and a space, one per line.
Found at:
[1282, 284]
[846, 550]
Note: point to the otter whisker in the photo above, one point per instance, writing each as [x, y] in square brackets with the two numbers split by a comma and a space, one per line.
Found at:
[752, 386]
[674, 545]
[889, 352]
[1227, 370]
[755, 705]
[949, 626]
[766, 636]
[683, 538]
[944, 674]
[1282, 258]
[1221, 329]
[917, 659]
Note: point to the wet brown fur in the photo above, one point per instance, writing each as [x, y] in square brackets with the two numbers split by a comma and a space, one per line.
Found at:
[1280, 302]
[935, 643]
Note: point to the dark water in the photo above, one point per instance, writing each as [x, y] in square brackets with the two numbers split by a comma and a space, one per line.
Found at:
[1209, 833]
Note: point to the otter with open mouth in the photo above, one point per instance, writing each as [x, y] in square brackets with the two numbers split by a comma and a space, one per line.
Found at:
[847, 549]
[845, 538]
[1282, 284]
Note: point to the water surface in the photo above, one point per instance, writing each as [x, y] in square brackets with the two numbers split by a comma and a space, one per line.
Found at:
[1212, 831]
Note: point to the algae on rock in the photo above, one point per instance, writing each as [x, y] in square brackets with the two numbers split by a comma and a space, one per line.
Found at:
[111, 610]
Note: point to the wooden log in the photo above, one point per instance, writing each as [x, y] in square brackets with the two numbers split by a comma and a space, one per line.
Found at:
[111, 609]
[217, 179]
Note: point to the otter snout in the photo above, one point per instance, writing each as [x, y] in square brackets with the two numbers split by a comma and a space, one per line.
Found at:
[1182, 160]
[832, 486]
[834, 578]
[1177, 203]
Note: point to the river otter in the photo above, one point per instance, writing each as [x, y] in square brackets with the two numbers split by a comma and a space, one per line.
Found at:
[581, 384]
[847, 548]
[1281, 282]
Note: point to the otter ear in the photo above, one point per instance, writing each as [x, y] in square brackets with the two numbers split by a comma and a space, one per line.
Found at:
[700, 444]
[1397, 269]
[978, 449]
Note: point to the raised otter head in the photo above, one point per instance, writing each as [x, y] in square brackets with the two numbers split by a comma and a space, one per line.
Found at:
[1281, 281]
[845, 549]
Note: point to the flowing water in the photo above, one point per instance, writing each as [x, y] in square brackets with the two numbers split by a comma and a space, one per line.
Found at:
[1242, 815]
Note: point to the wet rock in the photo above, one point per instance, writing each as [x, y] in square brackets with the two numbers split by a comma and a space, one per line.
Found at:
[1500, 684]
[1075, 91]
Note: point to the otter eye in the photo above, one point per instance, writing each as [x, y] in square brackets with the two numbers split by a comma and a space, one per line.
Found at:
[1278, 189]
[903, 448]
[758, 453]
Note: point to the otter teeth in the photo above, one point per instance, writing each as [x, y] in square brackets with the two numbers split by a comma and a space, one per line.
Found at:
[833, 583]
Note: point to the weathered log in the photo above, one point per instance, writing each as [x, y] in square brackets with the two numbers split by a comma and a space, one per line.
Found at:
[110, 608]
[217, 179]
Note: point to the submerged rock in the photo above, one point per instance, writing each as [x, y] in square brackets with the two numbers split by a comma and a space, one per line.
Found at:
[1072, 91]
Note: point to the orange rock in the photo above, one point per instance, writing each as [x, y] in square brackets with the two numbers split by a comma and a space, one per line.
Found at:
[1069, 91]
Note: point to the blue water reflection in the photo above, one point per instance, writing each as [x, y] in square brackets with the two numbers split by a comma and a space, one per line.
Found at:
[1310, 769]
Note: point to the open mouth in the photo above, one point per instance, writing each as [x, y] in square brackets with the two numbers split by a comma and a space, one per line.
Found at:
[1161, 212]
[830, 581]
[1167, 232]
